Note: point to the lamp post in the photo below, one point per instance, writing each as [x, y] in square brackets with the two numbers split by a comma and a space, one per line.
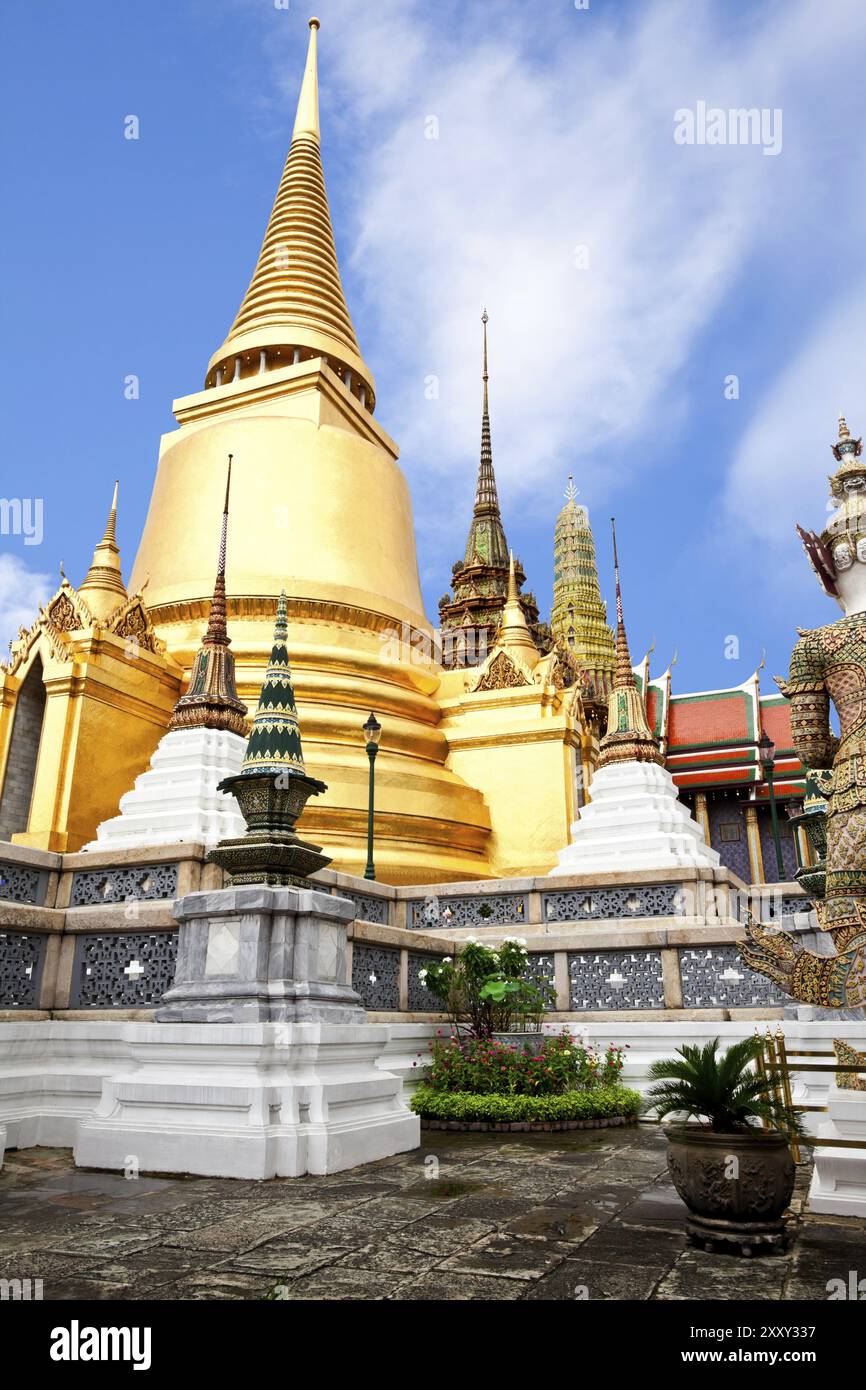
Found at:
[372, 734]
[766, 754]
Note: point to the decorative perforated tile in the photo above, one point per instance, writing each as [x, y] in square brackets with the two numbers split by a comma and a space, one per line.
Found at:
[368, 908]
[541, 967]
[474, 910]
[143, 883]
[21, 883]
[592, 904]
[122, 970]
[376, 976]
[420, 998]
[715, 976]
[21, 958]
[616, 980]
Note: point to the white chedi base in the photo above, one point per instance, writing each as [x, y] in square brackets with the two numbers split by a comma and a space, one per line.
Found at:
[634, 821]
[839, 1176]
[177, 800]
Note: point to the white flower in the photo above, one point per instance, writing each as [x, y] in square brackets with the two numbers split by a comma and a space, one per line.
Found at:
[446, 960]
[422, 974]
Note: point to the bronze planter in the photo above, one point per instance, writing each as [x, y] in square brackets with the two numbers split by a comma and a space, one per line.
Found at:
[270, 851]
[270, 801]
[737, 1187]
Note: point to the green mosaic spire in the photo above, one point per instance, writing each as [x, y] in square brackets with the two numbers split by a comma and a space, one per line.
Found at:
[275, 740]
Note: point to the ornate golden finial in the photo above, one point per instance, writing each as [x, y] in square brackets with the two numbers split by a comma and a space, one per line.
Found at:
[844, 432]
[571, 490]
[307, 115]
[103, 589]
[485, 319]
[514, 635]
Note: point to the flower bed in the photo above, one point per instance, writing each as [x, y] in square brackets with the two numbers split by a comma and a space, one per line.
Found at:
[588, 1109]
[481, 1083]
[485, 1066]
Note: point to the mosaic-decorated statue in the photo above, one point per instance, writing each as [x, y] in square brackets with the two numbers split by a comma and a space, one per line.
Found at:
[829, 663]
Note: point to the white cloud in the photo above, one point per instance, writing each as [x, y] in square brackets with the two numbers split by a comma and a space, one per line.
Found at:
[780, 470]
[22, 590]
[555, 134]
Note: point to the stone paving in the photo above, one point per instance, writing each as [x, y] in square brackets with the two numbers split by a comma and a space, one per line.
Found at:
[585, 1214]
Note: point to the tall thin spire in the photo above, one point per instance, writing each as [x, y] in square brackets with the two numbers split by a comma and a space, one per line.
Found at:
[307, 114]
[628, 738]
[295, 307]
[103, 589]
[486, 540]
[216, 628]
[211, 699]
[624, 676]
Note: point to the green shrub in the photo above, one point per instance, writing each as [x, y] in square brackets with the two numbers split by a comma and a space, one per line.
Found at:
[599, 1103]
[488, 987]
[488, 1067]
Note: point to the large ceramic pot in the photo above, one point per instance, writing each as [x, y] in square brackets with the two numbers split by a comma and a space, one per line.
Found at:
[737, 1187]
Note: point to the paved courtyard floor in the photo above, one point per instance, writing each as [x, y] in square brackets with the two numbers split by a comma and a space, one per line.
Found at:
[587, 1214]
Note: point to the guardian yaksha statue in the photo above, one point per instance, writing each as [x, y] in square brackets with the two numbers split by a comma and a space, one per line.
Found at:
[829, 663]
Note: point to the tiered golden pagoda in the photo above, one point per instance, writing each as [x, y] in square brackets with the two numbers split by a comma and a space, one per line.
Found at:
[578, 619]
[320, 504]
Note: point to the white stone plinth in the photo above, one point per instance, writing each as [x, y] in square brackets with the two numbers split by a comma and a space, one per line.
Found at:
[176, 800]
[634, 821]
[249, 1101]
[839, 1177]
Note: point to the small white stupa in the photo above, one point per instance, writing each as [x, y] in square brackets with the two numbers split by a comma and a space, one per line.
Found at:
[634, 819]
[176, 800]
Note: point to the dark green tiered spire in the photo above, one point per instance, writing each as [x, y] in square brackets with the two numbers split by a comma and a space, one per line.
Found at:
[275, 740]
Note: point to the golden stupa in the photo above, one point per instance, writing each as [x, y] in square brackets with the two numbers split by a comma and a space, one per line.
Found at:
[321, 508]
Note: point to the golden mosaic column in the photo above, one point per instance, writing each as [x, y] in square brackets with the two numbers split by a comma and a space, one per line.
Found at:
[702, 815]
[753, 839]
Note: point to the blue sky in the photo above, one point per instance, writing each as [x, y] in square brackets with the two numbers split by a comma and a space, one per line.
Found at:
[626, 276]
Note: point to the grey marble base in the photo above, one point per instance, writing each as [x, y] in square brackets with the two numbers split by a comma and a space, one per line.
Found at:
[256, 954]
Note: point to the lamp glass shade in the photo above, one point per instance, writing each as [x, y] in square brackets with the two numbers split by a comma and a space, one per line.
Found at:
[372, 729]
[766, 749]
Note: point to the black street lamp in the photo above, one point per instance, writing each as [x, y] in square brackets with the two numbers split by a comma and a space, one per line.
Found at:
[766, 754]
[372, 734]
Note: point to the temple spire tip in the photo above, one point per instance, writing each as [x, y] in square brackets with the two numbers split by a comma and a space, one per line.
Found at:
[307, 114]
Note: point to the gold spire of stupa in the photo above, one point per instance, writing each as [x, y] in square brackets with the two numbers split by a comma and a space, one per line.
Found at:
[295, 308]
[578, 617]
[628, 738]
[514, 635]
[103, 589]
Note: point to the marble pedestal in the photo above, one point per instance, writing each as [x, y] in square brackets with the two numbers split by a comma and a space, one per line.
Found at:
[176, 799]
[248, 1101]
[257, 954]
[839, 1176]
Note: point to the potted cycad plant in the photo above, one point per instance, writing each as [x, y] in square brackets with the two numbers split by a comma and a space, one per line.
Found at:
[735, 1176]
